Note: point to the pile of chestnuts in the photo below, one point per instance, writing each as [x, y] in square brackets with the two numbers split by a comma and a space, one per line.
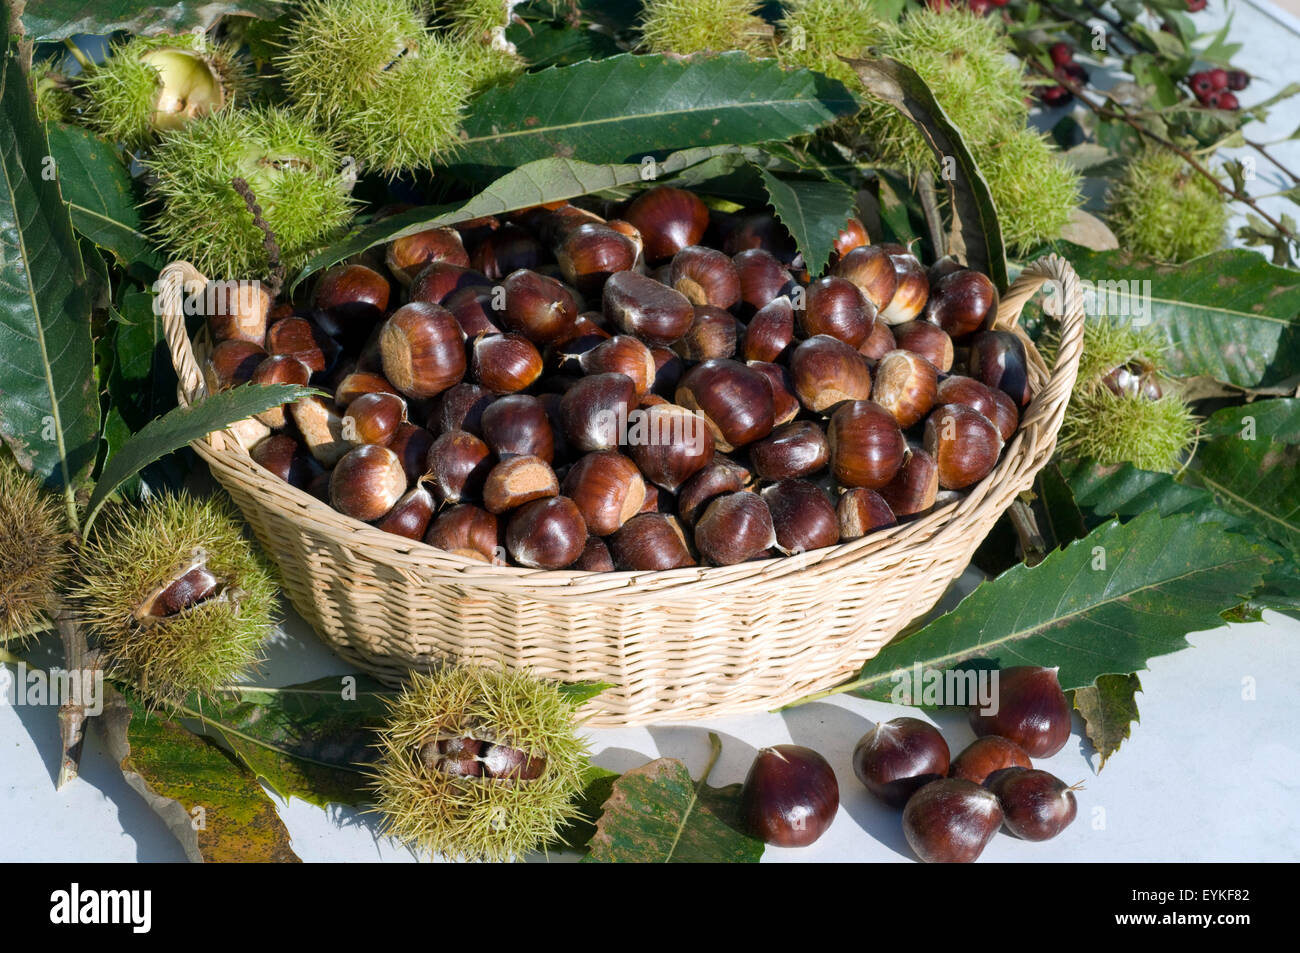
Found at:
[951, 807]
[666, 389]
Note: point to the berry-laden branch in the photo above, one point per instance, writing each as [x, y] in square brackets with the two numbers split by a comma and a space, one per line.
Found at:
[276, 280]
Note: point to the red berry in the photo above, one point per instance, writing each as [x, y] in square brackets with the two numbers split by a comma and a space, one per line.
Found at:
[1237, 80]
[1053, 96]
[1000, 3]
[1195, 6]
[1201, 85]
[1061, 53]
[1218, 78]
[1226, 100]
[981, 7]
[1212, 100]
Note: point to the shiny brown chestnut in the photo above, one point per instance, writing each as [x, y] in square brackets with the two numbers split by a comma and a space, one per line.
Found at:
[790, 796]
[802, 516]
[734, 528]
[590, 253]
[899, 757]
[796, 449]
[650, 542]
[546, 534]
[240, 314]
[1133, 380]
[607, 488]
[280, 369]
[852, 235]
[913, 289]
[827, 372]
[505, 762]
[983, 756]
[458, 757]
[928, 340]
[438, 281]
[232, 363]
[321, 429]
[458, 463]
[998, 359]
[423, 349]
[505, 363]
[722, 476]
[460, 408]
[468, 531]
[669, 444]
[964, 443]
[538, 307]
[595, 556]
[1036, 805]
[906, 385]
[915, 487]
[879, 343]
[507, 249]
[735, 401]
[475, 310]
[1030, 710]
[285, 458]
[410, 516]
[951, 821]
[713, 334]
[406, 257]
[763, 278]
[373, 418]
[785, 402]
[353, 385]
[516, 481]
[304, 340]
[770, 333]
[861, 511]
[962, 302]
[367, 483]
[668, 219]
[705, 276]
[518, 425]
[622, 354]
[871, 269]
[349, 300]
[835, 307]
[866, 446]
[594, 412]
[640, 306]
[993, 404]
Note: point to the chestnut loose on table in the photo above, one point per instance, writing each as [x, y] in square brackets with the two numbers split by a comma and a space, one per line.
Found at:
[691, 641]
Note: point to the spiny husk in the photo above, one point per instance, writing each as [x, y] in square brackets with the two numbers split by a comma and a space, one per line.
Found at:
[1108, 344]
[478, 818]
[294, 172]
[136, 548]
[55, 100]
[371, 74]
[1110, 429]
[828, 29]
[476, 19]
[487, 65]
[1164, 209]
[696, 26]
[34, 553]
[122, 93]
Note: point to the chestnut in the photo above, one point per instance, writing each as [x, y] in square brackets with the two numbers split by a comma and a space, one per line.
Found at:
[458, 465]
[915, 487]
[962, 302]
[713, 334]
[408, 256]
[516, 481]
[461, 408]
[802, 516]
[423, 349]
[827, 372]
[983, 756]
[468, 531]
[622, 354]
[1030, 710]
[723, 475]
[851, 236]
[668, 219]
[899, 757]
[735, 401]
[304, 340]
[232, 363]
[373, 418]
[669, 368]
[518, 425]
[834, 306]
[913, 288]
[595, 556]
[357, 383]
[871, 269]
[795, 449]
[540, 308]
[474, 310]
[735, 528]
[546, 534]
[1035, 805]
[367, 482]
[591, 252]
[280, 369]
[951, 821]
[285, 458]
[410, 516]
[349, 300]
[998, 359]
[240, 314]
[964, 443]
[507, 249]
[594, 411]
[1133, 380]
[770, 332]
[458, 757]
[860, 511]
[411, 443]
[502, 761]
[669, 444]
[607, 488]
[866, 446]
[928, 340]
[785, 402]
[650, 542]
[790, 796]
[906, 385]
[472, 231]
[321, 429]
[763, 278]
[993, 404]
[505, 363]
[879, 342]
[643, 307]
[705, 276]
[437, 281]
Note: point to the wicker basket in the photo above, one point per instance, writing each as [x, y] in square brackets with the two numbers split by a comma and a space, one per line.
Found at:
[684, 643]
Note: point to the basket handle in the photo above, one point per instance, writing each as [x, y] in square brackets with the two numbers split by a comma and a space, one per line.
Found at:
[176, 281]
[1063, 300]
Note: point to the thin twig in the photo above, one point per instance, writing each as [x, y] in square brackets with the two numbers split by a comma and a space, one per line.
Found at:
[1259, 147]
[276, 280]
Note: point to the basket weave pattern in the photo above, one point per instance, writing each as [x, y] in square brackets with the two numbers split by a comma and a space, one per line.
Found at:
[683, 643]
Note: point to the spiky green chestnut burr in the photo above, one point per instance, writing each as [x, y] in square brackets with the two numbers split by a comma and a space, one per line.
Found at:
[695, 26]
[1032, 188]
[298, 178]
[151, 85]
[486, 64]
[478, 764]
[55, 100]
[34, 553]
[1162, 208]
[477, 19]
[371, 74]
[175, 597]
[816, 33]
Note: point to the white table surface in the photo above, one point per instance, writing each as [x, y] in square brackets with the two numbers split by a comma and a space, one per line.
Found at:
[1207, 775]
